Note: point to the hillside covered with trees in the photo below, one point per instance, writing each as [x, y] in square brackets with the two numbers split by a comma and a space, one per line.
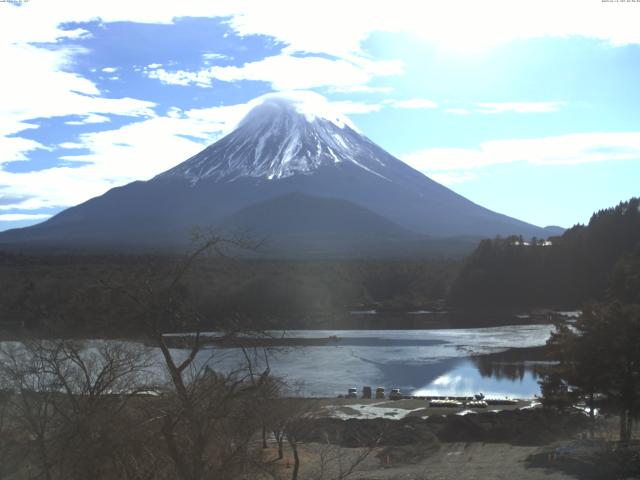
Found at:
[564, 272]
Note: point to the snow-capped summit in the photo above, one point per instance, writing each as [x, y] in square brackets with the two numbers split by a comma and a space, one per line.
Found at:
[310, 104]
[282, 135]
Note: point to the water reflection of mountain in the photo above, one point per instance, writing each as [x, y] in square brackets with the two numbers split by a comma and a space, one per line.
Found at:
[412, 375]
[513, 364]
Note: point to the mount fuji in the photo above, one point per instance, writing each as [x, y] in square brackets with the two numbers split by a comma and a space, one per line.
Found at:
[293, 171]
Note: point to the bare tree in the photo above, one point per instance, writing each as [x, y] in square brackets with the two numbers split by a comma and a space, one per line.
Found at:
[67, 396]
[295, 419]
[338, 463]
[203, 414]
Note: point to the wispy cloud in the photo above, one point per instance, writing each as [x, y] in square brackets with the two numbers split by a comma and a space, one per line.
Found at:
[17, 148]
[53, 91]
[349, 107]
[42, 88]
[14, 217]
[184, 78]
[496, 108]
[89, 118]
[110, 158]
[519, 107]
[359, 89]
[214, 56]
[414, 103]
[288, 72]
[321, 30]
[573, 149]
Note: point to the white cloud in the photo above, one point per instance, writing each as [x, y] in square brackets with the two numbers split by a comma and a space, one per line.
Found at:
[137, 151]
[494, 108]
[109, 69]
[40, 88]
[360, 89]
[142, 149]
[69, 145]
[414, 103]
[181, 77]
[348, 107]
[519, 107]
[214, 56]
[572, 149]
[52, 187]
[17, 148]
[287, 72]
[89, 118]
[38, 85]
[339, 27]
[14, 217]
[466, 25]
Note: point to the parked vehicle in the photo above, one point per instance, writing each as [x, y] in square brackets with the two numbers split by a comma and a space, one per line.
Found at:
[352, 393]
[395, 394]
[366, 392]
[380, 392]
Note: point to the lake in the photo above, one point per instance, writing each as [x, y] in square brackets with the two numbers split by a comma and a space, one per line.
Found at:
[440, 362]
[430, 362]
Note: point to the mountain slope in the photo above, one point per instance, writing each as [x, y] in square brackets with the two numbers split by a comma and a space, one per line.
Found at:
[306, 216]
[285, 144]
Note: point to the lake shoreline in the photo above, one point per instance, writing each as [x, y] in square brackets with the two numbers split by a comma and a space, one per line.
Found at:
[364, 319]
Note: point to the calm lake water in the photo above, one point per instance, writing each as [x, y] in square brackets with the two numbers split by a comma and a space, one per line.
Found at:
[442, 362]
[420, 362]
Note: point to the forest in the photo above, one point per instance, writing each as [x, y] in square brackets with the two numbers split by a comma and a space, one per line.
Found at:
[87, 295]
[564, 272]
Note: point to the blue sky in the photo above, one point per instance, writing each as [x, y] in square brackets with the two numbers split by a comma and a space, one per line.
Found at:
[528, 108]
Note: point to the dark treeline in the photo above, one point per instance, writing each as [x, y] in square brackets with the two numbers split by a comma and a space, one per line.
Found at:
[576, 267]
[87, 295]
